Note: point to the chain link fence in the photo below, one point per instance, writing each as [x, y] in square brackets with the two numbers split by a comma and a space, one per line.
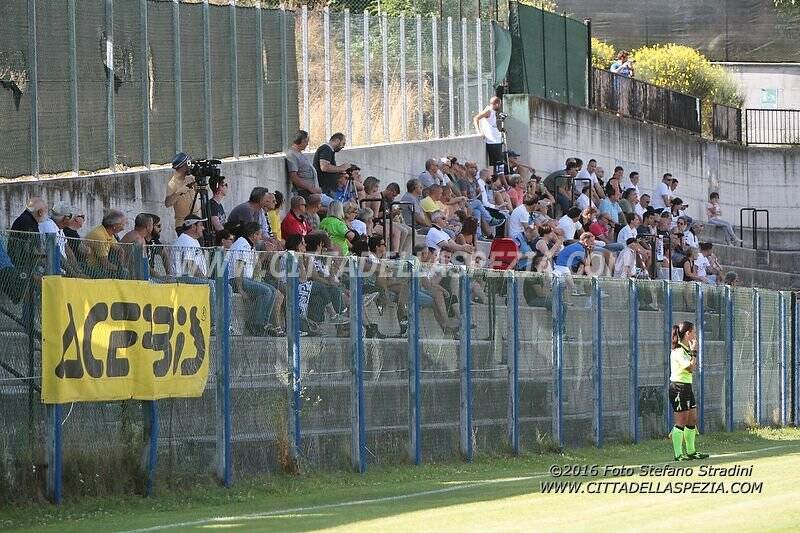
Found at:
[327, 362]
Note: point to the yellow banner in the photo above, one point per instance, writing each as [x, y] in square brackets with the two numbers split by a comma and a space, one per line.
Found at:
[117, 340]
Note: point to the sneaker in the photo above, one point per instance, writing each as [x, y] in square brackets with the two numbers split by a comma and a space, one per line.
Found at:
[697, 455]
[338, 319]
[403, 327]
[682, 457]
[497, 221]
[369, 298]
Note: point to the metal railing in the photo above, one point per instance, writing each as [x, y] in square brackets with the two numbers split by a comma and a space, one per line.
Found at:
[772, 126]
[727, 123]
[634, 98]
[754, 223]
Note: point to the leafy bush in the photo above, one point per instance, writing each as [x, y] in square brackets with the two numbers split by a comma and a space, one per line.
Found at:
[603, 54]
[684, 69]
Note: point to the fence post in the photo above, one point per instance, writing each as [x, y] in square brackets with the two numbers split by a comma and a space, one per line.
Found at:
[435, 75]
[667, 351]
[512, 351]
[53, 444]
[414, 385]
[358, 440]
[260, 80]
[33, 74]
[589, 73]
[293, 353]
[385, 79]
[558, 352]
[73, 88]
[597, 295]
[465, 364]
[110, 117]
[796, 373]
[420, 92]
[729, 348]
[145, 52]
[304, 52]
[464, 77]
[348, 108]
[784, 355]
[633, 332]
[223, 313]
[176, 73]
[700, 325]
[757, 353]
[326, 47]
[478, 62]
[403, 94]
[450, 111]
[150, 408]
[234, 58]
[367, 100]
[207, 79]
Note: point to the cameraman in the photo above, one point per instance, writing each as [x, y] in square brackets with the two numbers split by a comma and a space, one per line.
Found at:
[181, 192]
[486, 124]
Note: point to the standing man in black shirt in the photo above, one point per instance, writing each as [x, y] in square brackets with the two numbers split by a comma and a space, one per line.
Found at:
[325, 163]
[216, 212]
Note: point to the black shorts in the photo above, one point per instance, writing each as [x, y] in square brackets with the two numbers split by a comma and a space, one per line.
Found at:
[681, 396]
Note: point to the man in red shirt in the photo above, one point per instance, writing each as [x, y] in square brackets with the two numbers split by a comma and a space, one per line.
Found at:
[295, 223]
[602, 229]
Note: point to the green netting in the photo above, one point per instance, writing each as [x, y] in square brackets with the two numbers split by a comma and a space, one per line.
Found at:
[193, 100]
[616, 361]
[489, 370]
[128, 98]
[534, 301]
[770, 358]
[715, 357]
[162, 80]
[653, 369]
[15, 97]
[577, 61]
[90, 36]
[578, 388]
[439, 362]
[743, 359]
[273, 102]
[248, 59]
[290, 114]
[221, 93]
[55, 154]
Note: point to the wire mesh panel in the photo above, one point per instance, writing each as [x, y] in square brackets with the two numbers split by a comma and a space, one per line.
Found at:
[15, 104]
[248, 58]
[161, 63]
[616, 360]
[22, 418]
[128, 102]
[743, 358]
[489, 309]
[385, 293]
[535, 310]
[193, 99]
[653, 371]
[271, 59]
[221, 93]
[327, 363]
[578, 389]
[715, 357]
[770, 358]
[439, 323]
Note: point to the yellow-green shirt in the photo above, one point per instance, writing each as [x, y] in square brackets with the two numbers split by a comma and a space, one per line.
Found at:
[101, 245]
[680, 359]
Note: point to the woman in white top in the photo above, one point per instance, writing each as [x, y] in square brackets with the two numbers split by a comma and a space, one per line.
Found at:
[242, 259]
[714, 212]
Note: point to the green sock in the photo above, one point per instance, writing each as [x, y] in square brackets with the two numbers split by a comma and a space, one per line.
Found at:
[677, 440]
[689, 434]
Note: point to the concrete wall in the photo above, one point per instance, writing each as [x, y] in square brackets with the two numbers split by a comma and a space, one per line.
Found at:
[143, 190]
[784, 78]
[546, 133]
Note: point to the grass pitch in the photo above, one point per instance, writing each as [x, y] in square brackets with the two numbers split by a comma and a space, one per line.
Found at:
[491, 494]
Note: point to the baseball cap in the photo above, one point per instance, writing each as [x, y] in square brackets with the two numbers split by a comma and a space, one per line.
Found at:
[191, 220]
[180, 159]
[512, 153]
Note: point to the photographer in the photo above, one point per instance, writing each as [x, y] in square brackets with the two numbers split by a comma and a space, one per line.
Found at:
[181, 192]
[486, 124]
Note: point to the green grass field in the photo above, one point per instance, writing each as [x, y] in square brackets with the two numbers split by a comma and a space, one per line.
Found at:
[491, 494]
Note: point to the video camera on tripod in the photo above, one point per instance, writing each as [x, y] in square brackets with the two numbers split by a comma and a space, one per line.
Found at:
[202, 170]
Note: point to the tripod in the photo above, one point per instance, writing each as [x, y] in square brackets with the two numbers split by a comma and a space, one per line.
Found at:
[201, 193]
[350, 188]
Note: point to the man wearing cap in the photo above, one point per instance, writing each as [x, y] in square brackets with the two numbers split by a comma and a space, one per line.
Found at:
[60, 216]
[181, 192]
[189, 261]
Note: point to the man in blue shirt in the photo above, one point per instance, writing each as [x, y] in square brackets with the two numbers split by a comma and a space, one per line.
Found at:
[526, 252]
[610, 206]
[576, 258]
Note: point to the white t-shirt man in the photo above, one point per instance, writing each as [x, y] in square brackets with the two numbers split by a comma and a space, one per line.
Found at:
[435, 237]
[568, 226]
[359, 226]
[658, 197]
[49, 226]
[188, 254]
[584, 175]
[488, 127]
[625, 266]
[626, 233]
[701, 264]
[639, 210]
[690, 239]
[520, 217]
[242, 259]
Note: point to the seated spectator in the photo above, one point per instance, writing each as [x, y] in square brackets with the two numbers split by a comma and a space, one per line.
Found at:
[432, 201]
[413, 197]
[535, 187]
[434, 294]
[603, 231]
[625, 265]
[313, 206]
[650, 224]
[690, 272]
[536, 289]
[431, 174]
[60, 215]
[731, 278]
[350, 213]
[73, 237]
[517, 191]
[588, 216]
[583, 201]
[549, 243]
[524, 241]
[714, 213]
[24, 244]
[678, 242]
[629, 230]
[336, 228]
[326, 302]
[560, 184]
[610, 205]
[486, 184]
[104, 245]
[690, 236]
[575, 258]
[345, 190]
[521, 217]
[264, 297]
[501, 198]
[707, 264]
[616, 180]
[632, 183]
[155, 248]
[252, 209]
[363, 223]
[274, 215]
[569, 223]
[138, 236]
[589, 173]
[630, 198]
[526, 172]
[642, 206]
[662, 198]
[224, 239]
[676, 210]
[453, 203]
[437, 239]
[471, 191]
[296, 221]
